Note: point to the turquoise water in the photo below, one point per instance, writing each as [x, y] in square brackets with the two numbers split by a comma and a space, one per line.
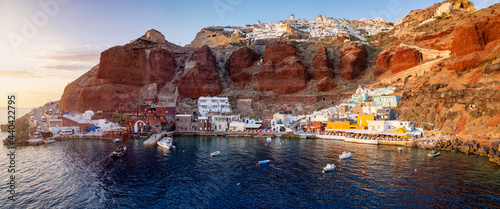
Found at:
[79, 174]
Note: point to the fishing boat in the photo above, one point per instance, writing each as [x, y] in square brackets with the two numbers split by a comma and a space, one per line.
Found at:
[214, 153]
[268, 139]
[345, 155]
[400, 149]
[119, 152]
[263, 162]
[434, 153]
[329, 167]
[117, 140]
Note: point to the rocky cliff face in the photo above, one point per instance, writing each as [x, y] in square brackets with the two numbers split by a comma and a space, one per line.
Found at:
[216, 37]
[353, 60]
[202, 79]
[240, 66]
[397, 60]
[323, 71]
[281, 72]
[460, 94]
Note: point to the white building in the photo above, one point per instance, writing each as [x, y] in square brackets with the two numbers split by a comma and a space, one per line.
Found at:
[283, 121]
[213, 104]
[236, 126]
[221, 123]
[389, 125]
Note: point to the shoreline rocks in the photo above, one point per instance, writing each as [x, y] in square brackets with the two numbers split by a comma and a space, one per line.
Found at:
[489, 148]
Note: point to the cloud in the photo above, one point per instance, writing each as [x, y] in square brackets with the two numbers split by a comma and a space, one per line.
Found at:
[18, 74]
[66, 67]
[75, 56]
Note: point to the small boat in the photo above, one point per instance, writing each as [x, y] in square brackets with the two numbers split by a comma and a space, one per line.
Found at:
[434, 153]
[329, 167]
[214, 153]
[263, 162]
[119, 152]
[400, 149]
[49, 141]
[268, 139]
[345, 155]
[117, 140]
[35, 141]
[166, 143]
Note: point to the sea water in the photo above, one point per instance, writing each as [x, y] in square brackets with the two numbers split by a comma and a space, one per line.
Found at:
[79, 173]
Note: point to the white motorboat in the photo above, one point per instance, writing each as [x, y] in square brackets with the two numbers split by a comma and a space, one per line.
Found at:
[35, 141]
[216, 153]
[345, 155]
[166, 143]
[117, 140]
[434, 153]
[329, 167]
[400, 149]
[268, 139]
[49, 141]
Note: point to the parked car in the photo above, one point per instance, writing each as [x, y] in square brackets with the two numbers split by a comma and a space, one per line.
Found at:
[43, 118]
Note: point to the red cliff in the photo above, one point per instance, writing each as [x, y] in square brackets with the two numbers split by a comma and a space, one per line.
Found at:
[202, 79]
[353, 60]
[323, 70]
[240, 66]
[281, 72]
[397, 60]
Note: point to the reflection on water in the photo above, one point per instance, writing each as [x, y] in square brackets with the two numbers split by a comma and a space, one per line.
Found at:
[79, 173]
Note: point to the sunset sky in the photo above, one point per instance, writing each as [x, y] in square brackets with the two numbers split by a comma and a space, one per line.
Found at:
[46, 44]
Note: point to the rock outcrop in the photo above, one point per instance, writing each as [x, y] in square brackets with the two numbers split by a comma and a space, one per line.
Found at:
[479, 31]
[477, 40]
[323, 66]
[202, 79]
[397, 60]
[133, 65]
[323, 71]
[353, 60]
[281, 72]
[240, 66]
[216, 37]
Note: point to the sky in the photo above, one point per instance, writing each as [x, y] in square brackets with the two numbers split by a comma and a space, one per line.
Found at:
[46, 44]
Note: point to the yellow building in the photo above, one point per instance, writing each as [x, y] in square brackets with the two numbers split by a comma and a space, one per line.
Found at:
[363, 120]
[341, 125]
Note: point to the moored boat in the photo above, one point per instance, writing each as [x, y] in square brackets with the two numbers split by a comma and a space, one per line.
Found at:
[263, 162]
[329, 167]
[119, 152]
[35, 141]
[166, 142]
[117, 140]
[268, 139]
[49, 141]
[216, 153]
[345, 155]
[434, 153]
[400, 149]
